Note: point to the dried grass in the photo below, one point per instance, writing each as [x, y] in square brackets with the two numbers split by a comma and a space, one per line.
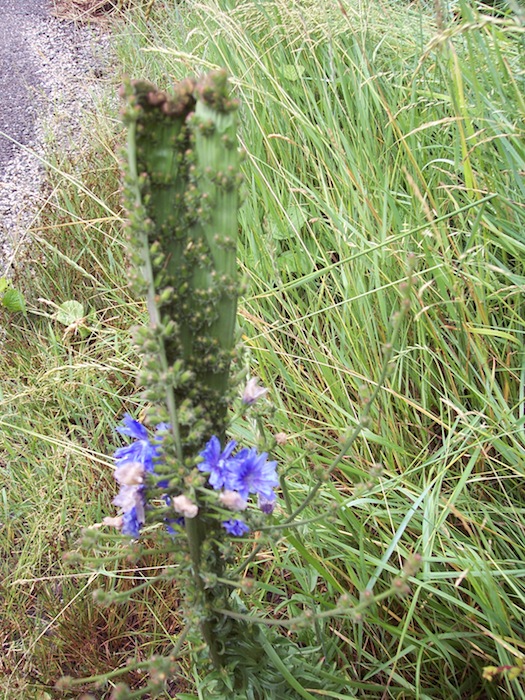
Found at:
[87, 10]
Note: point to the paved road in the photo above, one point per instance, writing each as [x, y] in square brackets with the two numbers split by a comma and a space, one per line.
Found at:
[48, 81]
[19, 83]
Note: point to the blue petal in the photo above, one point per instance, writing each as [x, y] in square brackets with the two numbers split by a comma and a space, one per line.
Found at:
[171, 530]
[130, 524]
[215, 463]
[132, 428]
[210, 455]
[237, 528]
[129, 453]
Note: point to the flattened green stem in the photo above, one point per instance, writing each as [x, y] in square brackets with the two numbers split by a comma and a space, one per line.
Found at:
[196, 534]
[147, 272]
[184, 179]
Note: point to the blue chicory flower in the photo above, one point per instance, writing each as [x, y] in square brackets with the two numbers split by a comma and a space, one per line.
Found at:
[215, 463]
[142, 450]
[237, 528]
[131, 523]
[250, 472]
[131, 463]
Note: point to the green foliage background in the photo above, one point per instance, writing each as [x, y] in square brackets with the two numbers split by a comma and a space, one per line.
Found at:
[372, 132]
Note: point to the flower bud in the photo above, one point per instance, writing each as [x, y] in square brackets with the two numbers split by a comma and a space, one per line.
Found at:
[281, 438]
[252, 392]
[247, 585]
[266, 505]
[401, 587]
[64, 683]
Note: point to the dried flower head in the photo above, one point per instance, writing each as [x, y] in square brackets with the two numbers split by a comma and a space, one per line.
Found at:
[233, 500]
[130, 473]
[183, 505]
[113, 522]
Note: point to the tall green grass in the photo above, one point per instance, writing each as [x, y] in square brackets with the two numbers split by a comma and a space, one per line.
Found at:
[370, 136]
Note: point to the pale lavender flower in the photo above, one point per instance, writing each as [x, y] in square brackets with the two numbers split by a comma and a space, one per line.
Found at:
[253, 391]
[113, 521]
[129, 473]
[130, 500]
[128, 496]
[237, 528]
[266, 505]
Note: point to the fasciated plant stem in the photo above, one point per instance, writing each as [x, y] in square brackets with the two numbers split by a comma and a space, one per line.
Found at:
[147, 274]
[182, 193]
[195, 535]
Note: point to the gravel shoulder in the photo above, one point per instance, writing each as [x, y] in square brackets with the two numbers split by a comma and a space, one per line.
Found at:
[50, 77]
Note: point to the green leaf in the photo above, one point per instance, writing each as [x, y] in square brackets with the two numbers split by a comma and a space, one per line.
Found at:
[14, 301]
[291, 72]
[294, 219]
[290, 263]
[494, 332]
[4, 284]
[70, 312]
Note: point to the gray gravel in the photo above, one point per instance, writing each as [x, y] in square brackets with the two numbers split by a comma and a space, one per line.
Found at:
[49, 76]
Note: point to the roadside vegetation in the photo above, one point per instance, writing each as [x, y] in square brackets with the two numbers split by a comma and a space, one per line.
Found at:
[378, 136]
